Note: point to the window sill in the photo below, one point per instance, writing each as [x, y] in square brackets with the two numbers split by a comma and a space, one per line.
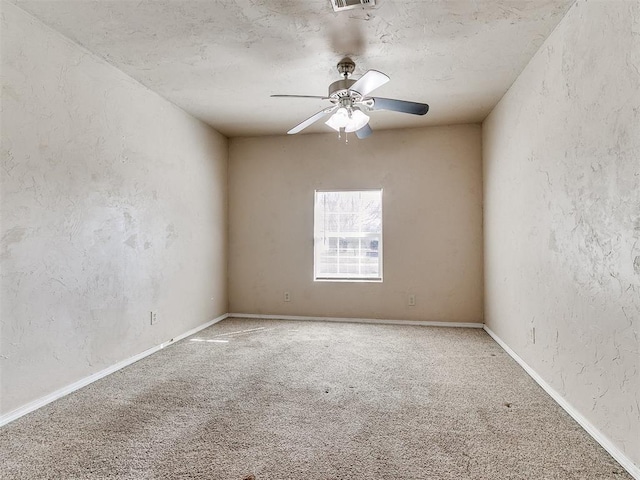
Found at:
[349, 280]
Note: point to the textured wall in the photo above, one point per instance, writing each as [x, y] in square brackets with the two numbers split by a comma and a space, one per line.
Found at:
[562, 216]
[113, 204]
[432, 223]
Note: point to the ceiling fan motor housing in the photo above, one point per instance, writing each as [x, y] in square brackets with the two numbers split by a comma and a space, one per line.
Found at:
[340, 88]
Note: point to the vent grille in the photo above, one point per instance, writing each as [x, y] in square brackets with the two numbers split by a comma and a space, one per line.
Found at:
[340, 5]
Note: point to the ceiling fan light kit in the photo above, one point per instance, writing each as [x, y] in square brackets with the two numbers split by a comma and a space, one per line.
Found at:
[350, 101]
[349, 121]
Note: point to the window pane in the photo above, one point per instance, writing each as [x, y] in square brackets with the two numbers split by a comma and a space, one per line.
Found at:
[348, 235]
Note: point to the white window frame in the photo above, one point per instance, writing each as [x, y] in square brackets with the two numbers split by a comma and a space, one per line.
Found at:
[319, 237]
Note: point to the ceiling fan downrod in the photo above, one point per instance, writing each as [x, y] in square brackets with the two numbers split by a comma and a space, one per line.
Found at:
[339, 90]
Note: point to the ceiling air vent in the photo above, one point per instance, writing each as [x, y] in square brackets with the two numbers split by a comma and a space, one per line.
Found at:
[340, 5]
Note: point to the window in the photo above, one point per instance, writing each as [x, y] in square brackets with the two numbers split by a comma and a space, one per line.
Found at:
[348, 235]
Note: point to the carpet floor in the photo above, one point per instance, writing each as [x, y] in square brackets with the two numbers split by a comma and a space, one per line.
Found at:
[269, 399]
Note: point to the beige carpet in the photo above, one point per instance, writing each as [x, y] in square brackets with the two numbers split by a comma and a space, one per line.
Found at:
[306, 400]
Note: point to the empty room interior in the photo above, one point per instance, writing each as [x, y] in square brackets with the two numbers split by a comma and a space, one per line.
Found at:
[321, 239]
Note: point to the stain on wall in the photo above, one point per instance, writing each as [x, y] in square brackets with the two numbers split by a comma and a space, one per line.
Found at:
[113, 204]
[562, 209]
[432, 223]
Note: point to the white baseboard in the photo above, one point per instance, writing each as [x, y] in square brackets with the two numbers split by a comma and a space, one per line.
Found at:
[41, 402]
[359, 320]
[597, 435]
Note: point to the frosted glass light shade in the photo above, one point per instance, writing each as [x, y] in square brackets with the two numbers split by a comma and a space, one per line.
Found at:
[341, 119]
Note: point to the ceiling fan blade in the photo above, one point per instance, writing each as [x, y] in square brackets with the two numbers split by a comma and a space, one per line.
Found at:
[310, 120]
[364, 132]
[402, 106]
[300, 96]
[368, 82]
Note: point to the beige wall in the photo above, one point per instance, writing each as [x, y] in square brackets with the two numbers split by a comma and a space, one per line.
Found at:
[432, 225]
[562, 216]
[113, 204]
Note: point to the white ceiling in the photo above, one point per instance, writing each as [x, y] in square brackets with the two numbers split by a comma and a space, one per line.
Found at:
[220, 60]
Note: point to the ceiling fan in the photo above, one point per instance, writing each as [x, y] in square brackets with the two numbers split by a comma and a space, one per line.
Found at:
[349, 102]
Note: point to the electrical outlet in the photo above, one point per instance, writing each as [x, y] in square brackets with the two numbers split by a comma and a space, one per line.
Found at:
[154, 318]
[287, 297]
[532, 333]
[412, 300]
